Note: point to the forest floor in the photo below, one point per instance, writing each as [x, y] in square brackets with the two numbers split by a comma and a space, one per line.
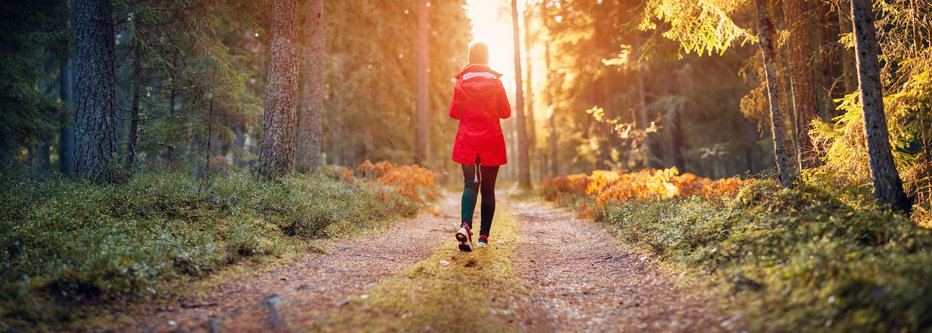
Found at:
[545, 271]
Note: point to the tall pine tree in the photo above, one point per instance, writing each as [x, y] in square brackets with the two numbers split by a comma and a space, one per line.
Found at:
[888, 188]
[310, 127]
[95, 102]
[277, 155]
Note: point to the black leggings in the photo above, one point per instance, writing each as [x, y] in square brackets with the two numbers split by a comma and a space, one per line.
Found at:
[482, 182]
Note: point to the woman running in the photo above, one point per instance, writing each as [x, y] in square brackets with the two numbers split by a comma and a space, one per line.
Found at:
[479, 101]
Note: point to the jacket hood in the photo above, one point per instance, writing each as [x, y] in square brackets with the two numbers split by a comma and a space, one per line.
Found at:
[478, 82]
[479, 70]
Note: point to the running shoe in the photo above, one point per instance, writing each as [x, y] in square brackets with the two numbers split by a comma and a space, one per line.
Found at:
[483, 241]
[464, 236]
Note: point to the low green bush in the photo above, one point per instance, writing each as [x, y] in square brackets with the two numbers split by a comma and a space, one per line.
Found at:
[801, 258]
[66, 243]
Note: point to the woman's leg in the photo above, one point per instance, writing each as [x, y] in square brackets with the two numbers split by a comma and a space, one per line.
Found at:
[487, 188]
[470, 193]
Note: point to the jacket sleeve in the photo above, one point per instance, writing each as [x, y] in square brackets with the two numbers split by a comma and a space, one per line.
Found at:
[456, 111]
[503, 106]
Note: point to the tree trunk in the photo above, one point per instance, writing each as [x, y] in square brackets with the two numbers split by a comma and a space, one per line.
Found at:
[173, 150]
[674, 125]
[675, 128]
[552, 121]
[548, 92]
[828, 58]
[278, 124]
[516, 171]
[66, 93]
[239, 142]
[805, 101]
[847, 55]
[420, 133]
[312, 98]
[643, 113]
[43, 149]
[340, 154]
[66, 133]
[134, 108]
[96, 97]
[524, 167]
[44, 156]
[787, 164]
[529, 85]
[210, 134]
[888, 188]
[30, 158]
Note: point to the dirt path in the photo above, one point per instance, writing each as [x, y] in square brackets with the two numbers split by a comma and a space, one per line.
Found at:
[310, 288]
[581, 281]
[563, 275]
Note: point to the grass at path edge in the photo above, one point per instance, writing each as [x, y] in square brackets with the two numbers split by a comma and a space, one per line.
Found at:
[73, 253]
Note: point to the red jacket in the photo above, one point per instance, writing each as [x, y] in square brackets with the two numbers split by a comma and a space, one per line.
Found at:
[479, 101]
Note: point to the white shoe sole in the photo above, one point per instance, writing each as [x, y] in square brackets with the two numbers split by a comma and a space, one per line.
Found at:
[463, 238]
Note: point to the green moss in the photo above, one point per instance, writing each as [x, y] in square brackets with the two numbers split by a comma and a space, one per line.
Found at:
[803, 259]
[66, 244]
[448, 292]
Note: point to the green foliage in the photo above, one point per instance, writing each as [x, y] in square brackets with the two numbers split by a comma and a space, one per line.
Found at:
[803, 259]
[202, 80]
[27, 115]
[699, 26]
[65, 243]
[599, 57]
[908, 119]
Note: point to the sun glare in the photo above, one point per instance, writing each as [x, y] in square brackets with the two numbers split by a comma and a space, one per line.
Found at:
[491, 24]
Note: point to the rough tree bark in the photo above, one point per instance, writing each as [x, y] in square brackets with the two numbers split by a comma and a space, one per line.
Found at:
[787, 164]
[312, 96]
[420, 133]
[524, 167]
[888, 188]
[96, 99]
[805, 100]
[278, 125]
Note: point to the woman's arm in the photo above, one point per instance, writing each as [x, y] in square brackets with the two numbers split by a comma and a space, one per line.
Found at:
[502, 105]
[455, 110]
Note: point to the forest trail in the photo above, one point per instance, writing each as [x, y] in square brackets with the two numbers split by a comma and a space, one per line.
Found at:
[310, 288]
[583, 281]
[545, 271]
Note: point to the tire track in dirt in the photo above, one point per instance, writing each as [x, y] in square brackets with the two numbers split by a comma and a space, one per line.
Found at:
[310, 288]
[580, 280]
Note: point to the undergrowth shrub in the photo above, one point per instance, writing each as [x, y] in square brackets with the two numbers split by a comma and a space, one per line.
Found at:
[66, 243]
[816, 258]
[412, 182]
[805, 260]
[590, 192]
